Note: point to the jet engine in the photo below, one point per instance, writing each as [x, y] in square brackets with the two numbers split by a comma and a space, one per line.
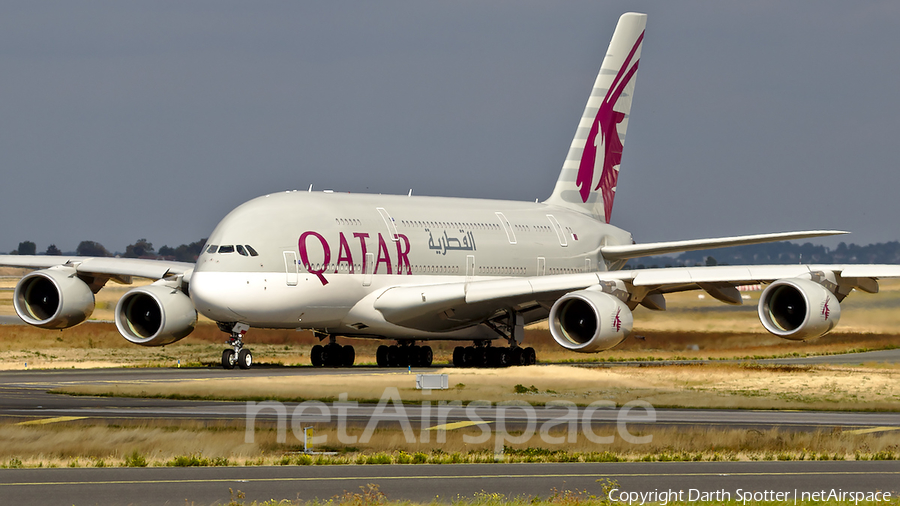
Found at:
[588, 321]
[54, 298]
[798, 309]
[155, 315]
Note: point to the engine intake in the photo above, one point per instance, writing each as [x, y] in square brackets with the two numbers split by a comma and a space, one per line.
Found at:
[798, 309]
[155, 315]
[53, 298]
[588, 321]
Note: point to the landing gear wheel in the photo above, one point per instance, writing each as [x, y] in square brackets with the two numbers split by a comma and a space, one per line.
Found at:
[426, 357]
[518, 357]
[244, 359]
[504, 357]
[228, 359]
[315, 355]
[458, 356]
[530, 356]
[349, 356]
[393, 356]
[469, 357]
[381, 356]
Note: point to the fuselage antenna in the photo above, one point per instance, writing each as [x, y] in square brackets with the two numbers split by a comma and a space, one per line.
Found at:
[410, 193]
[310, 189]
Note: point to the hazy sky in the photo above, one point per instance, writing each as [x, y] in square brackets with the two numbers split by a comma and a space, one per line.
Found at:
[123, 120]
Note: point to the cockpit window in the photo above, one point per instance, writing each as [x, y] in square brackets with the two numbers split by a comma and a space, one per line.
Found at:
[212, 248]
[226, 249]
[241, 251]
[252, 251]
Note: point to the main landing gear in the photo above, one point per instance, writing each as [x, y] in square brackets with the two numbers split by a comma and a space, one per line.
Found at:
[485, 355]
[332, 355]
[238, 355]
[404, 354]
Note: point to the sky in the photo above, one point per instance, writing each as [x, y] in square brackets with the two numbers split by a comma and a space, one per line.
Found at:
[129, 120]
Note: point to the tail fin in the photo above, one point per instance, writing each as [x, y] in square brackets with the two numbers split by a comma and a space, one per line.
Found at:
[589, 175]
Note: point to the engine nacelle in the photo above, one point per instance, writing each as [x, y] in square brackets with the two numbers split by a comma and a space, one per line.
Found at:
[588, 321]
[155, 315]
[53, 298]
[798, 309]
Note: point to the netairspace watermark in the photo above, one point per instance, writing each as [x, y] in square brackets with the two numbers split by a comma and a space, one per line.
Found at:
[663, 497]
[511, 424]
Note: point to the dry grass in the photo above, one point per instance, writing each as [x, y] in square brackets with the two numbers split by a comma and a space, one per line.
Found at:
[160, 442]
[729, 386]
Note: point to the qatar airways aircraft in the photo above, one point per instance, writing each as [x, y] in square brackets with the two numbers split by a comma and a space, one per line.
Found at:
[416, 269]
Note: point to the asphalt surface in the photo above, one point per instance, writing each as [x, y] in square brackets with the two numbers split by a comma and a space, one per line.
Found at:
[23, 397]
[152, 486]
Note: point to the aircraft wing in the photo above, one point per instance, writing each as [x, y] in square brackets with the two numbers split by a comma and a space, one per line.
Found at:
[415, 306]
[120, 269]
[621, 252]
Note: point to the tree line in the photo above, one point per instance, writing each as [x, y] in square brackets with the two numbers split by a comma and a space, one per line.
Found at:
[756, 254]
[141, 248]
[779, 253]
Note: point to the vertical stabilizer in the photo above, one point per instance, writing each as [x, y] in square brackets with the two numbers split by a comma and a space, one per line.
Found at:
[590, 173]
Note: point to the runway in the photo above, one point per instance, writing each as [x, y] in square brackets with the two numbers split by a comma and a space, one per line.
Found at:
[152, 486]
[23, 397]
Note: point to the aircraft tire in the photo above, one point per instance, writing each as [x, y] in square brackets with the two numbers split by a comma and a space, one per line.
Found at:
[349, 356]
[381, 356]
[315, 356]
[530, 356]
[393, 356]
[481, 357]
[458, 359]
[426, 356]
[517, 357]
[469, 356]
[493, 357]
[504, 357]
[404, 353]
[228, 359]
[245, 359]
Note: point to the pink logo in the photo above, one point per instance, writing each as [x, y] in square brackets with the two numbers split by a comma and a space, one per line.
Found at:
[825, 309]
[604, 127]
[617, 321]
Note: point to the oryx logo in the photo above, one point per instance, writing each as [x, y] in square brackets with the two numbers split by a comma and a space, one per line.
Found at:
[826, 311]
[604, 138]
[617, 320]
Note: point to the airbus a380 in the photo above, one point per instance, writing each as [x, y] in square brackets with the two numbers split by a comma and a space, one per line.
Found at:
[414, 269]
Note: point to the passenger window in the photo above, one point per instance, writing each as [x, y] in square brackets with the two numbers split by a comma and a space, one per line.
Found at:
[212, 248]
[252, 251]
[226, 249]
[241, 251]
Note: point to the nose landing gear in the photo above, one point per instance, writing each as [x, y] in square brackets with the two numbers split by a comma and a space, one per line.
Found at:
[238, 355]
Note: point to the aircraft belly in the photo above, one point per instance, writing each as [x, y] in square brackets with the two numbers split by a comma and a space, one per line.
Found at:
[264, 299]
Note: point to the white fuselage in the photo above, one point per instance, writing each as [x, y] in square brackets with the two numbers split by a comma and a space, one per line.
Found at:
[323, 258]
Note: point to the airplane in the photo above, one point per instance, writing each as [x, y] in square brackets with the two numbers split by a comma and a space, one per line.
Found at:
[414, 269]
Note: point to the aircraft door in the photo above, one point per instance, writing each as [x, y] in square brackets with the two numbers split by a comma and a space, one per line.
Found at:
[560, 234]
[389, 222]
[510, 233]
[290, 268]
[541, 266]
